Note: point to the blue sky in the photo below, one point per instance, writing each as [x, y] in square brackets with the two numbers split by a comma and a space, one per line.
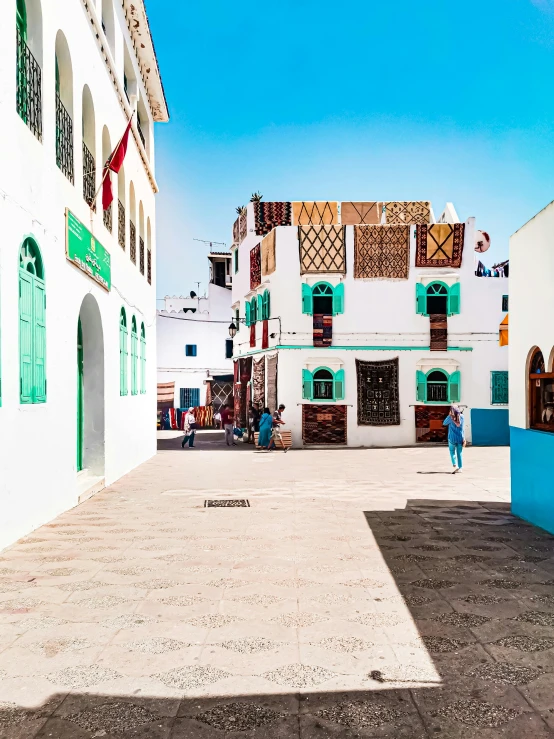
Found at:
[365, 100]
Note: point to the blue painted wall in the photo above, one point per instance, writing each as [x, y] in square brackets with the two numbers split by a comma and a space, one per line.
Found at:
[490, 427]
[531, 455]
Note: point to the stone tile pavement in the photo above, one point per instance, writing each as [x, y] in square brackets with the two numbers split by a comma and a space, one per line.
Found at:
[363, 593]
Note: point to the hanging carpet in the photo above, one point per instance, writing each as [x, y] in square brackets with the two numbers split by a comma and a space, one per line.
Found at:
[314, 213]
[166, 394]
[221, 393]
[268, 216]
[237, 403]
[322, 249]
[440, 245]
[245, 369]
[439, 332]
[271, 375]
[268, 253]
[252, 335]
[429, 423]
[255, 267]
[323, 330]
[324, 424]
[258, 380]
[378, 397]
[382, 252]
[243, 227]
[352, 214]
[236, 231]
[409, 212]
[265, 334]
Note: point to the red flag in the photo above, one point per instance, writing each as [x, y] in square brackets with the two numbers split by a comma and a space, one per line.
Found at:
[114, 163]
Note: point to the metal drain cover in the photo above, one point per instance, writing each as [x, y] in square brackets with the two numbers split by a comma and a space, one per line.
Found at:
[229, 503]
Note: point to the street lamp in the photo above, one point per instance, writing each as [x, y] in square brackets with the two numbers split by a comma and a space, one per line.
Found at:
[232, 330]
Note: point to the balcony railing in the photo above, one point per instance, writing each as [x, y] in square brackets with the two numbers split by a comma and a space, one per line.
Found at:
[437, 392]
[149, 266]
[107, 216]
[133, 242]
[89, 175]
[29, 87]
[121, 224]
[141, 255]
[64, 140]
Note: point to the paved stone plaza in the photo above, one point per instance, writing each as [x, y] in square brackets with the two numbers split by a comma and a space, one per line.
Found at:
[363, 593]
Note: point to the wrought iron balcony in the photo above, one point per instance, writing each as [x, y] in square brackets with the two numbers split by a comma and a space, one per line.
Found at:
[107, 216]
[141, 255]
[64, 140]
[121, 224]
[149, 266]
[29, 87]
[133, 242]
[89, 175]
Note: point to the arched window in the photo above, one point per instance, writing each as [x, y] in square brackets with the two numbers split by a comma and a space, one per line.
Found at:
[323, 299]
[32, 324]
[29, 62]
[107, 216]
[541, 394]
[142, 359]
[89, 146]
[134, 357]
[148, 251]
[132, 224]
[437, 386]
[253, 310]
[323, 384]
[108, 25]
[266, 308]
[123, 353]
[141, 237]
[64, 107]
[121, 222]
[437, 298]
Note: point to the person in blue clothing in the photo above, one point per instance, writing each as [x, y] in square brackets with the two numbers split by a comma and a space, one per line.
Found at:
[456, 436]
[266, 424]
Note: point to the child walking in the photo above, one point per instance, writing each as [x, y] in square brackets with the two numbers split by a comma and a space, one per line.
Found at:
[456, 437]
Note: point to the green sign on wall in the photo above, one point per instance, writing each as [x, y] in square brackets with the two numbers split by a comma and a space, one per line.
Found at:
[87, 252]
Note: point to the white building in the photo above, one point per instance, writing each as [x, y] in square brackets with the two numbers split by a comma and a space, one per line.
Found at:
[194, 348]
[77, 344]
[532, 370]
[329, 299]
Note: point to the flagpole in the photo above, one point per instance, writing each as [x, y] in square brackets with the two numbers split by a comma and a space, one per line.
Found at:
[106, 170]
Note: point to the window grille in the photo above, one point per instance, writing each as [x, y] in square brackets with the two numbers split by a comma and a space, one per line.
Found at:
[89, 175]
[64, 140]
[505, 303]
[133, 242]
[107, 216]
[149, 266]
[141, 255]
[121, 224]
[29, 87]
[189, 397]
[499, 388]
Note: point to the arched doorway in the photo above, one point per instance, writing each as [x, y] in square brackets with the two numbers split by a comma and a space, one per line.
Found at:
[90, 389]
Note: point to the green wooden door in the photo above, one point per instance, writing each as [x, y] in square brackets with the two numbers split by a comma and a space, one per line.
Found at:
[79, 397]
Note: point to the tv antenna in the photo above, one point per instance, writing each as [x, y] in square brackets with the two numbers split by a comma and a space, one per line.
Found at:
[211, 243]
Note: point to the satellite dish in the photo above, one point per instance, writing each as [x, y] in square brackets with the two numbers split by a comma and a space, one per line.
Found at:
[192, 294]
[482, 241]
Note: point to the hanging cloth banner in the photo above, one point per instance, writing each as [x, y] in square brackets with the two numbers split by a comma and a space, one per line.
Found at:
[409, 212]
[322, 249]
[382, 252]
[440, 245]
[353, 214]
[378, 394]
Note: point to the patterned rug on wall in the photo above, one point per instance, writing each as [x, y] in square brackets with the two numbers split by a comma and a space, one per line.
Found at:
[322, 249]
[440, 245]
[323, 329]
[236, 231]
[378, 394]
[271, 378]
[382, 252]
[315, 213]
[409, 212]
[353, 214]
[221, 392]
[237, 404]
[429, 423]
[268, 216]
[439, 332]
[243, 227]
[268, 253]
[255, 267]
[258, 380]
[324, 424]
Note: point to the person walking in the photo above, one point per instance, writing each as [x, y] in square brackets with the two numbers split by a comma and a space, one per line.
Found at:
[227, 422]
[190, 429]
[456, 437]
[266, 424]
[276, 432]
[217, 420]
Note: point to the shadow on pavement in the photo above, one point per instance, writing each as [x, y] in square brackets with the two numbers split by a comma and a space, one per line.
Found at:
[207, 440]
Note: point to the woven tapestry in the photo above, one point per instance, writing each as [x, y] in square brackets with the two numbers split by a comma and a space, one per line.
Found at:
[268, 216]
[255, 267]
[439, 332]
[382, 252]
[236, 370]
[245, 369]
[258, 380]
[322, 249]
[352, 214]
[237, 403]
[271, 375]
[440, 245]
[268, 253]
[265, 334]
[236, 231]
[314, 213]
[378, 401]
[221, 393]
[408, 212]
[323, 330]
[324, 424]
[252, 335]
[429, 423]
[243, 227]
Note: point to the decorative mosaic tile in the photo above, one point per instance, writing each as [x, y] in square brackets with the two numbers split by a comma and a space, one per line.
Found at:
[156, 584]
[299, 620]
[41, 622]
[478, 713]
[102, 601]
[13, 715]
[296, 582]
[127, 621]
[335, 598]
[117, 717]
[156, 645]
[238, 716]
[345, 644]
[470, 558]
[258, 599]
[502, 584]
[432, 584]
[483, 600]
[51, 647]
[364, 583]
[417, 600]
[20, 604]
[14, 587]
[430, 547]
[191, 677]
[537, 618]
[228, 583]
[396, 537]
[366, 714]
[132, 570]
[412, 558]
[525, 643]
[378, 620]
[82, 677]
[469, 620]
[442, 645]
[253, 645]
[181, 601]
[299, 676]
[213, 620]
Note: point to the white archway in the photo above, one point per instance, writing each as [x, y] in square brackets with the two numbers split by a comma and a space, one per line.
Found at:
[91, 389]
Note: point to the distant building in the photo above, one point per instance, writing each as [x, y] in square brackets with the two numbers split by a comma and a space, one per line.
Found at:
[367, 320]
[194, 347]
[532, 369]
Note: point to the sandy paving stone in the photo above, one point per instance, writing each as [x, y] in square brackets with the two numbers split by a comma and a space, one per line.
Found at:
[114, 717]
[379, 620]
[537, 618]
[20, 604]
[41, 622]
[156, 584]
[366, 714]
[100, 602]
[213, 620]
[14, 587]
[482, 599]
[299, 619]
[191, 677]
[344, 644]
[442, 644]
[228, 583]
[238, 716]
[51, 647]
[299, 676]
[417, 600]
[127, 621]
[82, 677]
[525, 643]
[132, 571]
[478, 713]
[258, 599]
[467, 620]
[81, 586]
[181, 601]
[253, 645]
[155, 645]
[505, 673]
[502, 584]
[432, 584]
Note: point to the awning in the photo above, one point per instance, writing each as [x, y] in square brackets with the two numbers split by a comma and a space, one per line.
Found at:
[503, 332]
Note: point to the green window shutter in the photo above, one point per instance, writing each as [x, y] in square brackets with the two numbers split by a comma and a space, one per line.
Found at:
[265, 310]
[39, 342]
[421, 299]
[142, 360]
[421, 387]
[307, 385]
[338, 299]
[499, 382]
[260, 308]
[339, 385]
[25, 337]
[307, 299]
[247, 313]
[123, 357]
[21, 18]
[253, 310]
[134, 358]
[454, 299]
[268, 306]
[454, 388]
[236, 260]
